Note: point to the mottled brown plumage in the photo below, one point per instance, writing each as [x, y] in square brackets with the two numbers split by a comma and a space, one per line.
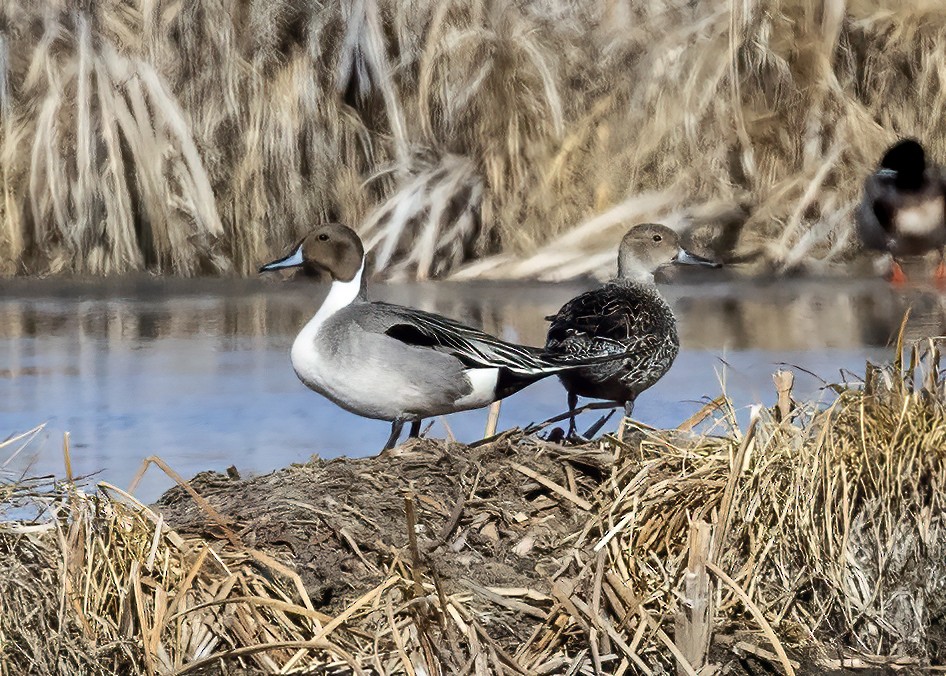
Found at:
[626, 315]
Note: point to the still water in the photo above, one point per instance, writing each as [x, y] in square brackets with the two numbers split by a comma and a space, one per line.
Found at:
[198, 373]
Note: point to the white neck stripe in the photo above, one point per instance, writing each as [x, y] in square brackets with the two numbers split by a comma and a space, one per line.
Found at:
[340, 295]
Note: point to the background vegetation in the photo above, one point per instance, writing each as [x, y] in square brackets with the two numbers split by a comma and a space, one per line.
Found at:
[471, 137]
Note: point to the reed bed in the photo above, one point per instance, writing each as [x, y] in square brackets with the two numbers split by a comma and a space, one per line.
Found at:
[811, 539]
[472, 138]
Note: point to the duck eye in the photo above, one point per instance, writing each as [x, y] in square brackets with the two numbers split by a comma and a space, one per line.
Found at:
[323, 237]
[657, 238]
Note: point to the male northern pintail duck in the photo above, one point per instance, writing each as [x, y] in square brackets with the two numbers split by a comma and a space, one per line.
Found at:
[625, 315]
[903, 210]
[396, 363]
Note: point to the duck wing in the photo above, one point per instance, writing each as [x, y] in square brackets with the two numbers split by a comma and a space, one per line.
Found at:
[611, 319]
[875, 213]
[471, 346]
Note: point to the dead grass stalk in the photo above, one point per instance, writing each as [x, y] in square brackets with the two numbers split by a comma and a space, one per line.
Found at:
[460, 137]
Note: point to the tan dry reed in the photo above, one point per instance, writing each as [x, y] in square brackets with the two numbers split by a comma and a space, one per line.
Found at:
[205, 137]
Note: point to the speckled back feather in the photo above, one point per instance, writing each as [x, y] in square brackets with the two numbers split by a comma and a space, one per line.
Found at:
[620, 316]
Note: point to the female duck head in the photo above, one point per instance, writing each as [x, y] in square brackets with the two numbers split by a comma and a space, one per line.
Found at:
[332, 247]
[649, 246]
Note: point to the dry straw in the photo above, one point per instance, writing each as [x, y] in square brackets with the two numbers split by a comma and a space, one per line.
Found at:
[205, 137]
[816, 537]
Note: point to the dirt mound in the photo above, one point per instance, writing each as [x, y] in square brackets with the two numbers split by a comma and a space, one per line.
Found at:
[482, 518]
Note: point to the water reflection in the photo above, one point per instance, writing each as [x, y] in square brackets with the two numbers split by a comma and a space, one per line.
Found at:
[198, 372]
[800, 314]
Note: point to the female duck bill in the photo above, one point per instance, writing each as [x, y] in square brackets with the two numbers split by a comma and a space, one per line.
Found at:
[685, 257]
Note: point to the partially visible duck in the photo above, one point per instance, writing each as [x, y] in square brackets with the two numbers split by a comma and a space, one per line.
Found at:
[625, 315]
[903, 209]
[391, 362]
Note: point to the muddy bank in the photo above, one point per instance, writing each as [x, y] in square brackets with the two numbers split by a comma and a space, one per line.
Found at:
[481, 520]
[504, 526]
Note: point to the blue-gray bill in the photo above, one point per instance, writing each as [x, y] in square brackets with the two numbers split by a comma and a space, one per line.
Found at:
[684, 257]
[293, 260]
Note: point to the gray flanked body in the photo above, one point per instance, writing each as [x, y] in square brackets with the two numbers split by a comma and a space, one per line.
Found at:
[371, 359]
[395, 363]
[626, 315]
[348, 360]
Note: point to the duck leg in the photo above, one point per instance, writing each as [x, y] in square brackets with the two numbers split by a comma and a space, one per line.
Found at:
[572, 405]
[396, 427]
[896, 276]
[939, 277]
[628, 410]
[415, 429]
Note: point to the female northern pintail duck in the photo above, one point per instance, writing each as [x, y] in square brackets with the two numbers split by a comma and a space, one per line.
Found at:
[395, 363]
[903, 210]
[625, 315]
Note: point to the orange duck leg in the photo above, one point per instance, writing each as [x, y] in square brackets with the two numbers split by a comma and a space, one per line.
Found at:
[896, 276]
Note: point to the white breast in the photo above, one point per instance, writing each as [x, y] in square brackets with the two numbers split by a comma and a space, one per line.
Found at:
[920, 220]
[309, 356]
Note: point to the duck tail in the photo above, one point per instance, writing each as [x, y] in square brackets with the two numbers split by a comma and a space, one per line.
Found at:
[566, 362]
[511, 380]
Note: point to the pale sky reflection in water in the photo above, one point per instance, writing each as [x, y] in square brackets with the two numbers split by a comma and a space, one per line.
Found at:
[198, 372]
